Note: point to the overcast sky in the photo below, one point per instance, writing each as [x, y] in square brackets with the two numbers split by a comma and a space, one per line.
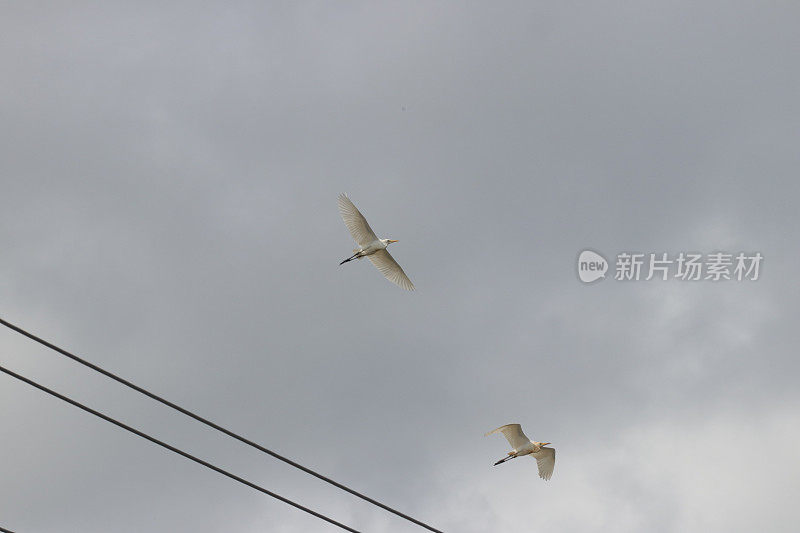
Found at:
[168, 211]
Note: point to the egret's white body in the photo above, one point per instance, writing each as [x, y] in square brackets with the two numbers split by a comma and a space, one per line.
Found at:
[370, 245]
[545, 457]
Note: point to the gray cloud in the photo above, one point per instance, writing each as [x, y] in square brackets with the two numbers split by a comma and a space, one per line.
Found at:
[168, 211]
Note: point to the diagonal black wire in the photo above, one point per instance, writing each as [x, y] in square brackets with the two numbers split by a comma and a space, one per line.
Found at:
[176, 450]
[215, 426]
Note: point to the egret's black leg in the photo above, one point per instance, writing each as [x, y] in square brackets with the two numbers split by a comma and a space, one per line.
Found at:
[503, 460]
[349, 259]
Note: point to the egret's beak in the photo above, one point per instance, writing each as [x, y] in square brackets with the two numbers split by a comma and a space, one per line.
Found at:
[391, 240]
[547, 443]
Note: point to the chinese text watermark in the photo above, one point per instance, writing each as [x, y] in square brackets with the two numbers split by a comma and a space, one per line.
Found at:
[684, 266]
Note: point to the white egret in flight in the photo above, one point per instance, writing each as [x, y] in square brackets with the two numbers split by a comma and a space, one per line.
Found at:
[370, 245]
[545, 457]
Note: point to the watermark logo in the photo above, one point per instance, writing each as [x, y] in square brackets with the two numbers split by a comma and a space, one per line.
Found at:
[684, 266]
[591, 266]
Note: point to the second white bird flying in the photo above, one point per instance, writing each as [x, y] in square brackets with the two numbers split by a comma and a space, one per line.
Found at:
[545, 457]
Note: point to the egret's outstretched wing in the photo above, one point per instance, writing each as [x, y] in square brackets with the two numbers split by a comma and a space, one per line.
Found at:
[355, 222]
[390, 269]
[513, 434]
[546, 461]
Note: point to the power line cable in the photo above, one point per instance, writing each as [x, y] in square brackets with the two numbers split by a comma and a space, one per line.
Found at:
[176, 450]
[215, 426]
